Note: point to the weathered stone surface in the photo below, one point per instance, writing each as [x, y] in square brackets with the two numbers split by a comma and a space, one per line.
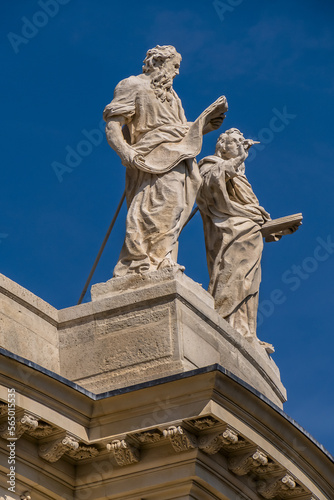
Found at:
[129, 340]
[28, 325]
[232, 220]
[204, 404]
[123, 452]
[135, 283]
[160, 141]
[137, 328]
[52, 451]
[180, 438]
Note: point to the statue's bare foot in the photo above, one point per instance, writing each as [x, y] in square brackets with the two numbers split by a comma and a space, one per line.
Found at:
[168, 263]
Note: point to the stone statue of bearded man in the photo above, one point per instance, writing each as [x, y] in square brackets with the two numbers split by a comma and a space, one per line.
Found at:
[147, 127]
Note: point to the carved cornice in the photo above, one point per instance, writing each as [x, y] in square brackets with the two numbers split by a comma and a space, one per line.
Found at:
[270, 468]
[26, 496]
[243, 464]
[229, 440]
[54, 450]
[42, 430]
[180, 439]
[123, 452]
[272, 488]
[203, 423]
[3, 408]
[152, 436]
[272, 480]
[23, 423]
[83, 452]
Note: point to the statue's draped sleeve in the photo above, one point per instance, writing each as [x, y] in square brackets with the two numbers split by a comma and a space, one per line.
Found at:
[123, 103]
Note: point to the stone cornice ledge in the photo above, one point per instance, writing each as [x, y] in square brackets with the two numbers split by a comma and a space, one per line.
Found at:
[208, 411]
[210, 385]
[29, 300]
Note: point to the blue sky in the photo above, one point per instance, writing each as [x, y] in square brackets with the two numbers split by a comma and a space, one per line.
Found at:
[274, 61]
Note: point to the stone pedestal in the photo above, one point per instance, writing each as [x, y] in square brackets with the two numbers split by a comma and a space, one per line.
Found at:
[139, 328]
[135, 329]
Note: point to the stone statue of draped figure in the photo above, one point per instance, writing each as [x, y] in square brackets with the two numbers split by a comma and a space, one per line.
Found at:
[147, 127]
[232, 220]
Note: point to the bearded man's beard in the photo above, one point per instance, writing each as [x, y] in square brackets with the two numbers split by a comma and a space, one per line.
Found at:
[162, 84]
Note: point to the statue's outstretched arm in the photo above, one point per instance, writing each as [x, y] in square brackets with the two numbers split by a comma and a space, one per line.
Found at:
[232, 166]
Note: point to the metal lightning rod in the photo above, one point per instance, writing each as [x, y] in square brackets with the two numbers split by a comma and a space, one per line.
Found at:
[112, 223]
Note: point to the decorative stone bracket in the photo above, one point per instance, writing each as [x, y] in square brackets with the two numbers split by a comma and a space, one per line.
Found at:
[213, 443]
[54, 450]
[26, 496]
[271, 488]
[180, 439]
[243, 464]
[123, 452]
[23, 423]
[3, 408]
[273, 480]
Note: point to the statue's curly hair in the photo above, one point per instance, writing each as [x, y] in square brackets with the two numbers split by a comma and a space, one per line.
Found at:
[157, 56]
[221, 139]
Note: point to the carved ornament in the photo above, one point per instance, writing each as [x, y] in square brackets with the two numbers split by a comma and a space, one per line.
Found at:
[243, 464]
[24, 423]
[228, 439]
[26, 496]
[83, 452]
[203, 423]
[151, 436]
[123, 452]
[277, 486]
[54, 450]
[180, 439]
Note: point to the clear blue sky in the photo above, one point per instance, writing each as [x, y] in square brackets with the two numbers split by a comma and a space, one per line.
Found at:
[274, 62]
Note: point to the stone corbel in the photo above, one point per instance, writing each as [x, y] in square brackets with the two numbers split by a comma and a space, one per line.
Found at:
[23, 423]
[26, 496]
[270, 489]
[213, 443]
[123, 452]
[54, 450]
[3, 408]
[180, 439]
[243, 464]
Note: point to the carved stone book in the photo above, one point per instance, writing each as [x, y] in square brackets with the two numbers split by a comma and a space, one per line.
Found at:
[281, 224]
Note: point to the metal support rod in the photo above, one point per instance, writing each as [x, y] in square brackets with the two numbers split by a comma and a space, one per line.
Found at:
[83, 293]
[195, 210]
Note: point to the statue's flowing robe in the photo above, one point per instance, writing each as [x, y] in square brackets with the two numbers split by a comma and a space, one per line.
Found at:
[158, 204]
[232, 220]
